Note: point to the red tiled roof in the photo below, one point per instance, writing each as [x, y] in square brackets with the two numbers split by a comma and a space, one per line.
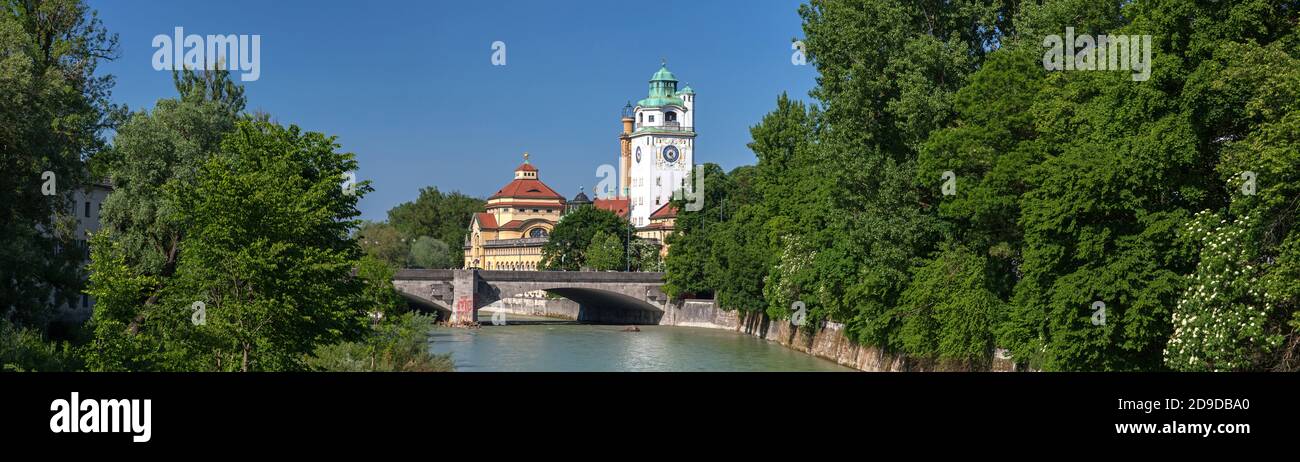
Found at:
[527, 189]
[526, 167]
[508, 204]
[666, 211]
[618, 206]
[486, 220]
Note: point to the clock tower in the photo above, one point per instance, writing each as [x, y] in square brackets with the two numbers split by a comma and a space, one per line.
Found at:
[658, 146]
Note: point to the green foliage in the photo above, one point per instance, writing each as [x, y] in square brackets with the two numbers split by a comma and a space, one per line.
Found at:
[154, 156]
[444, 217]
[605, 252]
[948, 311]
[689, 245]
[427, 252]
[1072, 188]
[23, 349]
[566, 249]
[645, 256]
[398, 344]
[53, 113]
[1241, 308]
[266, 251]
[383, 242]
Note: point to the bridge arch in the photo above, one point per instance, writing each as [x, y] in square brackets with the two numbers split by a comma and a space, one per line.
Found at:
[602, 297]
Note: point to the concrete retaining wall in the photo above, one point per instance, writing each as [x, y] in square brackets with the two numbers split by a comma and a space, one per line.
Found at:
[828, 341]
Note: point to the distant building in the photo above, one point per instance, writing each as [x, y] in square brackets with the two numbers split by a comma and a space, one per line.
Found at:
[87, 205]
[662, 224]
[657, 151]
[657, 146]
[519, 218]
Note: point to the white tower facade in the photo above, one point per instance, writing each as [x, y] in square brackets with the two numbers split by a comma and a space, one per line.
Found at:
[662, 145]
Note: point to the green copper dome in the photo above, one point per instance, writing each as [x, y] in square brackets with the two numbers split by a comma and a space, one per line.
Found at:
[663, 89]
[663, 75]
[687, 90]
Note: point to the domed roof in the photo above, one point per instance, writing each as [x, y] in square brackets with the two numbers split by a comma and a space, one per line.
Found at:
[663, 74]
[580, 198]
[687, 90]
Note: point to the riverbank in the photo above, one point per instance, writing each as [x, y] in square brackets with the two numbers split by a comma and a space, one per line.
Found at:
[828, 341]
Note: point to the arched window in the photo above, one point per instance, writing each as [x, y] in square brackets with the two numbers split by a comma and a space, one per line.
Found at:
[670, 116]
[537, 232]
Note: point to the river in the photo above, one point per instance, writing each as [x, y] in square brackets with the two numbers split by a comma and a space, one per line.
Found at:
[528, 344]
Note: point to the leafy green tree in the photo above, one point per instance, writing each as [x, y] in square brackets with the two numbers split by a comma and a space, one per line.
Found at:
[948, 312]
[383, 242]
[645, 256]
[888, 72]
[1241, 307]
[154, 155]
[24, 349]
[689, 247]
[427, 252]
[605, 252]
[444, 217]
[54, 109]
[267, 255]
[566, 249]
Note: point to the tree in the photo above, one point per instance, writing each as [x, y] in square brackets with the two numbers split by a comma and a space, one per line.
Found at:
[427, 252]
[383, 242]
[1241, 307]
[646, 256]
[444, 217]
[689, 245]
[566, 249]
[54, 109]
[948, 312]
[267, 259]
[605, 252]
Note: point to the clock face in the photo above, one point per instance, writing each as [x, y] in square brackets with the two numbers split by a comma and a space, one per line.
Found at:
[670, 154]
[638, 154]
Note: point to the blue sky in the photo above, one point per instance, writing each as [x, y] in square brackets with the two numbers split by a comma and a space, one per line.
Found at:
[410, 88]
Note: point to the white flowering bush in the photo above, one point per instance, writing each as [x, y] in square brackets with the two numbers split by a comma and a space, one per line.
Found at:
[1221, 320]
[782, 286]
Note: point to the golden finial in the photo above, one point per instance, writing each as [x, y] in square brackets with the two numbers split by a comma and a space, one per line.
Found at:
[525, 157]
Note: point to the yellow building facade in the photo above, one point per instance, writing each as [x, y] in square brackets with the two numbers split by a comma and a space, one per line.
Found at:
[517, 221]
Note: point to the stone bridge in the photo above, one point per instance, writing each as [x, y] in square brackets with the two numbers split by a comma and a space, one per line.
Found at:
[603, 297]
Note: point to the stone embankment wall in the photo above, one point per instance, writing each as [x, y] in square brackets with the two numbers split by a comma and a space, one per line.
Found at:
[828, 341]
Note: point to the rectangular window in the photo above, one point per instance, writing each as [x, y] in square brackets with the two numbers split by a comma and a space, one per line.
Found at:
[85, 301]
[87, 209]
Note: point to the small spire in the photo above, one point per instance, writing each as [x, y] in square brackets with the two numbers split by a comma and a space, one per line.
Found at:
[663, 62]
[525, 157]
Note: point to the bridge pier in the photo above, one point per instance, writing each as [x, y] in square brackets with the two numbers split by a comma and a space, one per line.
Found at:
[465, 308]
